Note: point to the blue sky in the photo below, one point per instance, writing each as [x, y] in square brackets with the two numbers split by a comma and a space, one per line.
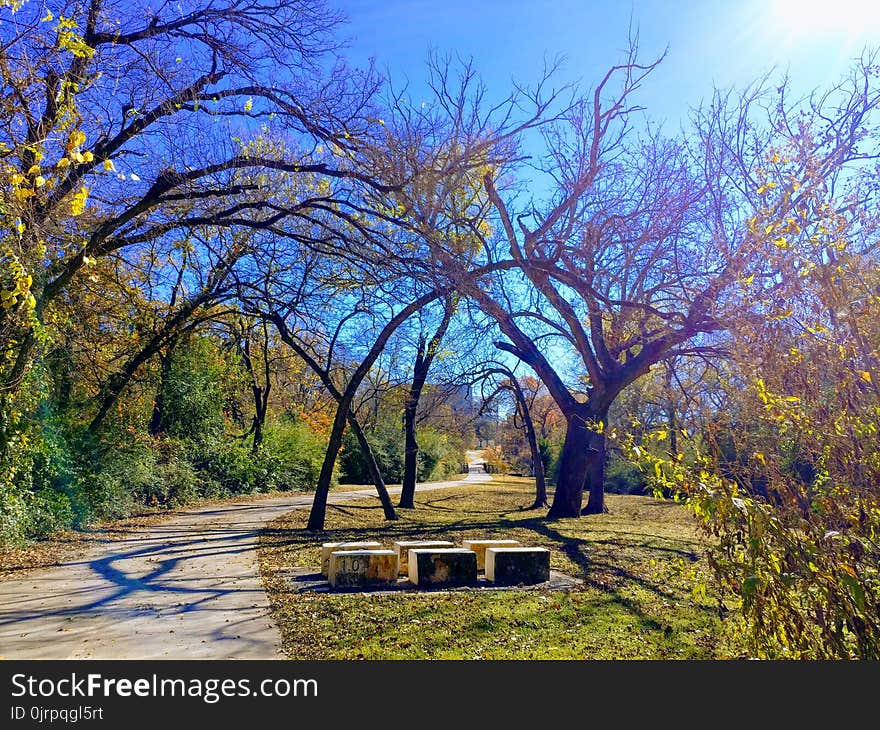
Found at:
[714, 42]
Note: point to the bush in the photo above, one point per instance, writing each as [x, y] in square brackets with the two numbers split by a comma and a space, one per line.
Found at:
[624, 477]
[440, 455]
[48, 512]
[387, 449]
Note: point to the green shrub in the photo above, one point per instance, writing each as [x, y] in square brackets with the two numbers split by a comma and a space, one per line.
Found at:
[440, 455]
[48, 512]
[623, 477]
[387, 447]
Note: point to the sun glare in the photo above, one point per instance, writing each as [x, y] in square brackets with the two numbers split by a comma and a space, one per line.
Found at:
[849, 23]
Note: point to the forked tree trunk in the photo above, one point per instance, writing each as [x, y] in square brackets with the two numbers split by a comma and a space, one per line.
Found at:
[424, 357]
[581, 466]
[574, 461]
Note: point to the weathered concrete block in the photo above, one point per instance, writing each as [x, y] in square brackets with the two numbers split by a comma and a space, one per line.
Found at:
[354, 568]
[402, 548]
[511, 566]
[479, 547]
[329, 547]
[442, 567]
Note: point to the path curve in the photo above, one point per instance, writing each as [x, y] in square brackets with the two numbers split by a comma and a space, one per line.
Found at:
[188, 588]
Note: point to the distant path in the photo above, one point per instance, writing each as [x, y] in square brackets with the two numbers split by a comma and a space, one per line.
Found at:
[188, 588]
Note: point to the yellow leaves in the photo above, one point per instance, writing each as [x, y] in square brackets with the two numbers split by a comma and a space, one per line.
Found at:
[89, 260]
[62, 163]
[82, 157]
[784, 314]
[77, 138]
[78, 201]
[769, 228]
[765, 187]
[39, 181]
[865, 375]
[34, 170]
[781, 243]
[748, 280]
[10, 298]
[249, 104]
[17, 179]
[71, 41]
[108, 166]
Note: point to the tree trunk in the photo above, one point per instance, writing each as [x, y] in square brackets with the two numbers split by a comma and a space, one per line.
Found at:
[373, 468]
[574, 461]
[424, 358]
[261, 406]
[410, 456]
[319, 502]
[537, 464]
[158, 416]
[595, 472]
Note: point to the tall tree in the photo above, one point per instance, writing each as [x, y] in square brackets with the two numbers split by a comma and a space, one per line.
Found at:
[426, 351]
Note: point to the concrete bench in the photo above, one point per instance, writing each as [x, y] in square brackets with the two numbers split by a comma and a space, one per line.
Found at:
[329, 547]
[402, 548]
[442, 567]
[355, 568]
[511, 566]
[479, 547]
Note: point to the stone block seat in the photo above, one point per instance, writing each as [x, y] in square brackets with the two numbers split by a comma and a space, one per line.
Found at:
[357, 568]
[438, 567]
[328, 547]
[512, 566]
[402, 548]
[480, 546]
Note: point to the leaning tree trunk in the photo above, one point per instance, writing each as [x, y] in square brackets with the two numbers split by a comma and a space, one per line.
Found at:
[532, 439]
[537, 463]
[322, 490]
[373, 468]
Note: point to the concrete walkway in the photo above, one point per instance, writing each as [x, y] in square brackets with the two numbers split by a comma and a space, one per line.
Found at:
[188, 588]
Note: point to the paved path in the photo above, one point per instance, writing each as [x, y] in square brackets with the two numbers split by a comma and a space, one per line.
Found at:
[188, 588]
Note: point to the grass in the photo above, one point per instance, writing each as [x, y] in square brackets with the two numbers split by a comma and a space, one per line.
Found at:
[642, 566]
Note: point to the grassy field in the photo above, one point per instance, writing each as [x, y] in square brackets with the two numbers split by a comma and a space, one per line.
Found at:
[642, 565]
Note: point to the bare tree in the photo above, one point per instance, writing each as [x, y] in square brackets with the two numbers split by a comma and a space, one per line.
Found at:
[636, 257]
[425, 353]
